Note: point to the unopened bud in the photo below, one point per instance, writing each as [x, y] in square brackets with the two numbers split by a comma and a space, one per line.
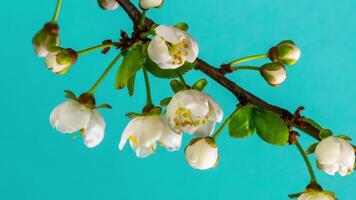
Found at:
[147, 4]
[45, 39]
[202, 153]
[274, 73]
[285, 52]
[60, 60]
[108, 4]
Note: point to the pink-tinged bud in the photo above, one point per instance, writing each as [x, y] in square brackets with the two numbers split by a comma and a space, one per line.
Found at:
[45, 39]
[60, 60]
[274, 73]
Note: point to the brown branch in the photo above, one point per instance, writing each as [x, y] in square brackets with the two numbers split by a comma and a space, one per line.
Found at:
[217, 74]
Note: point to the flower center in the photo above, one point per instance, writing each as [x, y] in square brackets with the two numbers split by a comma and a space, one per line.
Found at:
[133, 140]
[183, 117]
[179, 52]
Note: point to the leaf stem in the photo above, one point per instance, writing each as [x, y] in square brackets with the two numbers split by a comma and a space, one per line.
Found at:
[307, 162]
[56, 12]
[103, 75]
[90, 49]
[226, 122]
[246, 68]
[248, 58]
[148, 88]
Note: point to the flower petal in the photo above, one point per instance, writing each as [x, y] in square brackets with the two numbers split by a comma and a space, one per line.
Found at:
[328, 151]
[170, 34]
[94, 132]
[170, 139]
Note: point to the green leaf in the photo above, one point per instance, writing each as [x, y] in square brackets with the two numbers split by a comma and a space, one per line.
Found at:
[182, 26]
[345, 137]
[270, 127]
[131, 85]
[200, 85]
[168, 73]
[313, 123]
[311, 148]
[155, 111]
[70, 95]
[107, 106]
[324, 133]
[133, 61]
[241, 124]
[177, 86]
[165, 101]
[133, 115]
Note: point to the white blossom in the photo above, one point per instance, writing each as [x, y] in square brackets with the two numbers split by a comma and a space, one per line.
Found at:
[171, 47]
[71, 116]
[194, 112]
[335, 155]
[144, 132]
[146, 4]
[108, 4]
[202, 153]
[316, 195]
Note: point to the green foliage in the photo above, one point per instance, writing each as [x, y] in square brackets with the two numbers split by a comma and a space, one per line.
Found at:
[324, 133]
[200, 85]
[131, 85]
[313, 123]
[165, 101]
[70, 95]
[268, 125]
[155, 111]
[133, 61]
[241, 124]
[345, 137]
[182, 26]
[177, 86]
[311, 148]
[168, 73]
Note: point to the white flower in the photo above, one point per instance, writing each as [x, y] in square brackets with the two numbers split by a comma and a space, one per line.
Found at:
[144, 133]
[46, 38]
[71, 116]
[146, 4]
[171, 47]
[108, 4]
[316, 195]
[274, 73]
[60, 60]
[194, 112]
[335, 155]
[202, 153]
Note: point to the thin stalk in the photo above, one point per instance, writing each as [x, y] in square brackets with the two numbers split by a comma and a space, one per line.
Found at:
[307, 162]
[103, 75]
[182, 80]
[101, 46]
[56, 12]
[148, 88]
[143, 18]
[226, 122]
[246, 68]
[245, 59]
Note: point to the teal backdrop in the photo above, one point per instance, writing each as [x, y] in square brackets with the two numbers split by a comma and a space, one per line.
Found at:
[38, 163]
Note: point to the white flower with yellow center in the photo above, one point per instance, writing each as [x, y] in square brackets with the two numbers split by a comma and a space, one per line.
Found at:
[71, 116]
[194, 112]
[334, 154]
[144, 133]
[202, 153]
[171, 47]
[316, 195]
[146, 4]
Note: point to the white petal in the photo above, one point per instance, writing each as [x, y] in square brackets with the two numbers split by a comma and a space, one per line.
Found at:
[170, 139]
[146, 4]
[143, 152]
[218, 113]
[328, 151]
[205, 130]
[70, 117]
[159, 53]
[129, 130]
[201, 155]
[347, 154]
[193, 49]
[170, 34]
[94, 132]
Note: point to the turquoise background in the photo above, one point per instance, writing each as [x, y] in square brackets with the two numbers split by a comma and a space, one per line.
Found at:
[38, 163]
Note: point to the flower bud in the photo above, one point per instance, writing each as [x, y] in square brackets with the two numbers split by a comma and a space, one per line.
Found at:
[147, 4]
[45, 39]
[285, 52]
[317, 195]
[202, 153]
[60, 60]
[274, 73]
[334, 154]
[108, 4]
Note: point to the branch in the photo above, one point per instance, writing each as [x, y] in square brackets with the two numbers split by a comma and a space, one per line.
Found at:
[243, 96]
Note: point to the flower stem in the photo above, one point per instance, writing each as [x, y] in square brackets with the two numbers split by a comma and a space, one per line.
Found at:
[148, 88]
[226, 122]
[103, 75]
[101, 46]
[307, 162]
[182, 80]
[143, 18]
[56, 12]
[245, 59]
[246, 68]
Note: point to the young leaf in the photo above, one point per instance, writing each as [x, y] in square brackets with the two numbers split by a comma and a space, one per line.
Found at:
[200, 85]
[324, 133]
[168, 73]
[70, 95]
[241, 124]
[131, 84]
[133, 115]
[107, 106]
[313, 123]
[133, 61]
[165, 101]
[177, 86]
[182, 26]
[270, 127]
[311, 148]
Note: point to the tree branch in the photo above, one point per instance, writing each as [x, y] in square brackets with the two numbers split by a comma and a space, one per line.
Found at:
[243, 96]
